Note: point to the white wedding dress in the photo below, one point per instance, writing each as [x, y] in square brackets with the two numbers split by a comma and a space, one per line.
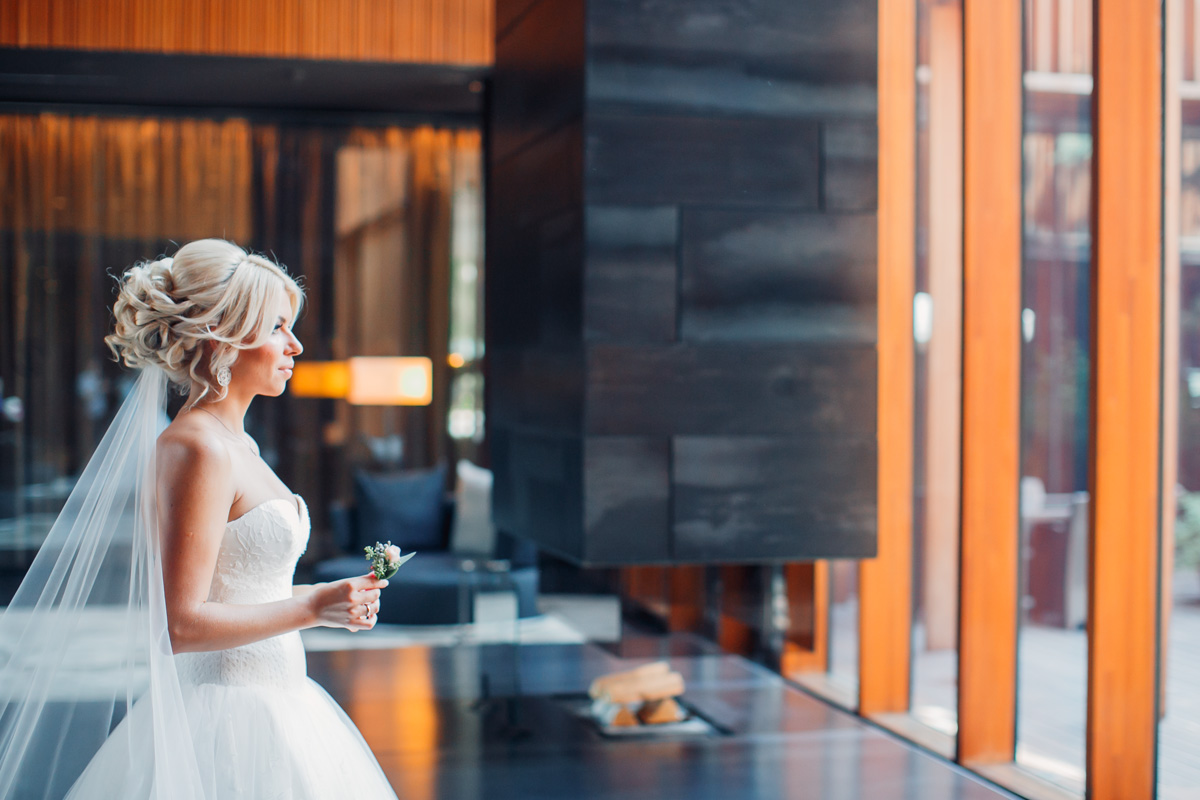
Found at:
[262, 729]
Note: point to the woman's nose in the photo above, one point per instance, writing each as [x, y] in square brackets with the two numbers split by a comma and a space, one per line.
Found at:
[295, 347]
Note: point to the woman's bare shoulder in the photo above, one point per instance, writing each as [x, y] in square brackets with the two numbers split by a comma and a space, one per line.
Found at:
[189, 444]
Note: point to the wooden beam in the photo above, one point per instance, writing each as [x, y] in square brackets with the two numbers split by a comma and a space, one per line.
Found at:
[885, 593]
[991, 379]
[1126, 398]
[806, 648]
[686, 599]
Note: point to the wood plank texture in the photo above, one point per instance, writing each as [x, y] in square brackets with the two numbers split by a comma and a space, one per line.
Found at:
[707, 259]
[885, 592]
[749, 498]
[689, 389]
[630, 277]
[775, 276]
[423, 31]
[626, 510]
[1126, 387]
[991, 379]
[726, 162]
[772, 58]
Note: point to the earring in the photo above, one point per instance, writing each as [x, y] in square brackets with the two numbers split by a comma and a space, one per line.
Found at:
[223, 376]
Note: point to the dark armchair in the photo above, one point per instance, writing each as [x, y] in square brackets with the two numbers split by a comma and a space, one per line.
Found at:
[458, 552]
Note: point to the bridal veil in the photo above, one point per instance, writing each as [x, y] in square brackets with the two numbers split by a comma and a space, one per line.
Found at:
[85, 637]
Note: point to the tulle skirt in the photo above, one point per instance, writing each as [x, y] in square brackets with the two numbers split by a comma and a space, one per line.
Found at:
[253, 742]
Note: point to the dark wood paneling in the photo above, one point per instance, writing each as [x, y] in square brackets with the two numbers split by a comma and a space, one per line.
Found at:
[763, 276]
[560, 280]
[508, 12]
[537, 84]
[850, 155]
[538, 493]
[661, 264]
[738, 162]
[728, 390]
[627, 499]
[777, 57]
[764, 495]
[528, 191]
[630, 285]
[537, 389]
[430, 92]
[541, 180]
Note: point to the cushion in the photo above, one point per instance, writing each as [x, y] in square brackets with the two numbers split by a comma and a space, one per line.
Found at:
[405, 508]
[473, 531]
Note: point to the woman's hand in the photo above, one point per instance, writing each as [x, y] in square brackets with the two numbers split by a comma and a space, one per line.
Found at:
[352, 603]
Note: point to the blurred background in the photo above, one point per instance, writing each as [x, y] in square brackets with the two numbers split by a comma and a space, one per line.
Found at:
[369, 184]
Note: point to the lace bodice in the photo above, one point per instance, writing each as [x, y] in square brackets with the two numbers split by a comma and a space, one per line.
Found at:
[255, 564]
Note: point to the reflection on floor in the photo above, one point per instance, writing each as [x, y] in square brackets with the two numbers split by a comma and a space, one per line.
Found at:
[495, 722]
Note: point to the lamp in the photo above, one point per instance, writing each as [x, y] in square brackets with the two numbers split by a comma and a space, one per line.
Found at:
[367, 381]
[391, 381]
[320, 379]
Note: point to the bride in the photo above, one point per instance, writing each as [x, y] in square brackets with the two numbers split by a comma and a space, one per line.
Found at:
[204, 691]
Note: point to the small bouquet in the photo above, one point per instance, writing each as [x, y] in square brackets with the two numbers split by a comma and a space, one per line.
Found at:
[385, 559]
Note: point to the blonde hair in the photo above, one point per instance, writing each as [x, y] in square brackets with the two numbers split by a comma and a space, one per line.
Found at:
[211, 290]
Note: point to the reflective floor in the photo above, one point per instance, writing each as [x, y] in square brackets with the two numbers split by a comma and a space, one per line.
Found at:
[496, 722]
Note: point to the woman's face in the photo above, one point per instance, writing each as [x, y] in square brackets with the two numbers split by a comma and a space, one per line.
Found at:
[265, 369]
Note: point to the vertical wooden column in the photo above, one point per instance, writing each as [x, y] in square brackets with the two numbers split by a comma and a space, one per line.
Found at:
[939, 588]
[685, 598]
[1126, 383]
[991, 379]
[807, 646]
[885, 593]
[1172, 188]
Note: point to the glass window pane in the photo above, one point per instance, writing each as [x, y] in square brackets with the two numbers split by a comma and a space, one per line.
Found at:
[937, 334]
[1052, 643]
[1179, 731]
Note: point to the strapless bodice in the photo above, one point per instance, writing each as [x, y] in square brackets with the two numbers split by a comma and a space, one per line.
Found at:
[256, 564]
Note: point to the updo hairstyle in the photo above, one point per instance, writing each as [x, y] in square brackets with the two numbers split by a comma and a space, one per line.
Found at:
[210, 291]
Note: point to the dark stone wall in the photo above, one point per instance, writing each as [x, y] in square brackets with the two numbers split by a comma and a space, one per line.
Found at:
[681, 278]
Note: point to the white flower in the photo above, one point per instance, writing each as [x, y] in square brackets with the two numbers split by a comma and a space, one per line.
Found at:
[393, 554]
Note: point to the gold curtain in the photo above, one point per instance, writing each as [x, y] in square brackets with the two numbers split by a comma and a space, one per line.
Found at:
[362, 216]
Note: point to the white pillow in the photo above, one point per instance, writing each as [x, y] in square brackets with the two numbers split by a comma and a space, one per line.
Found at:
[473, 532]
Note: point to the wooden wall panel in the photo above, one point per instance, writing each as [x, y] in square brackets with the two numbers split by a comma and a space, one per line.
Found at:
[651, 160]
[631, 282]
[750, 498]
[418, 31]
[777, 276]
[885, 593]
[627, 512]
[691, 389]
[726, 304]
[991, 380]
[1126, 394]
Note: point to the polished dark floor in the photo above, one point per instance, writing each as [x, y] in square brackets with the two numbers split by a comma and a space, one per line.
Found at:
[424, 713]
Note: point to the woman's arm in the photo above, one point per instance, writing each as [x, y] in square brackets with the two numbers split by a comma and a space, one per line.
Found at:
[195, 493]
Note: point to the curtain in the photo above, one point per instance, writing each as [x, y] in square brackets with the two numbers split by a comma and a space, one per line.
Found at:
[362, 216]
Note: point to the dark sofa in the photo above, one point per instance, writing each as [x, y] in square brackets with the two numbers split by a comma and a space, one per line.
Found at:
[412, 510]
